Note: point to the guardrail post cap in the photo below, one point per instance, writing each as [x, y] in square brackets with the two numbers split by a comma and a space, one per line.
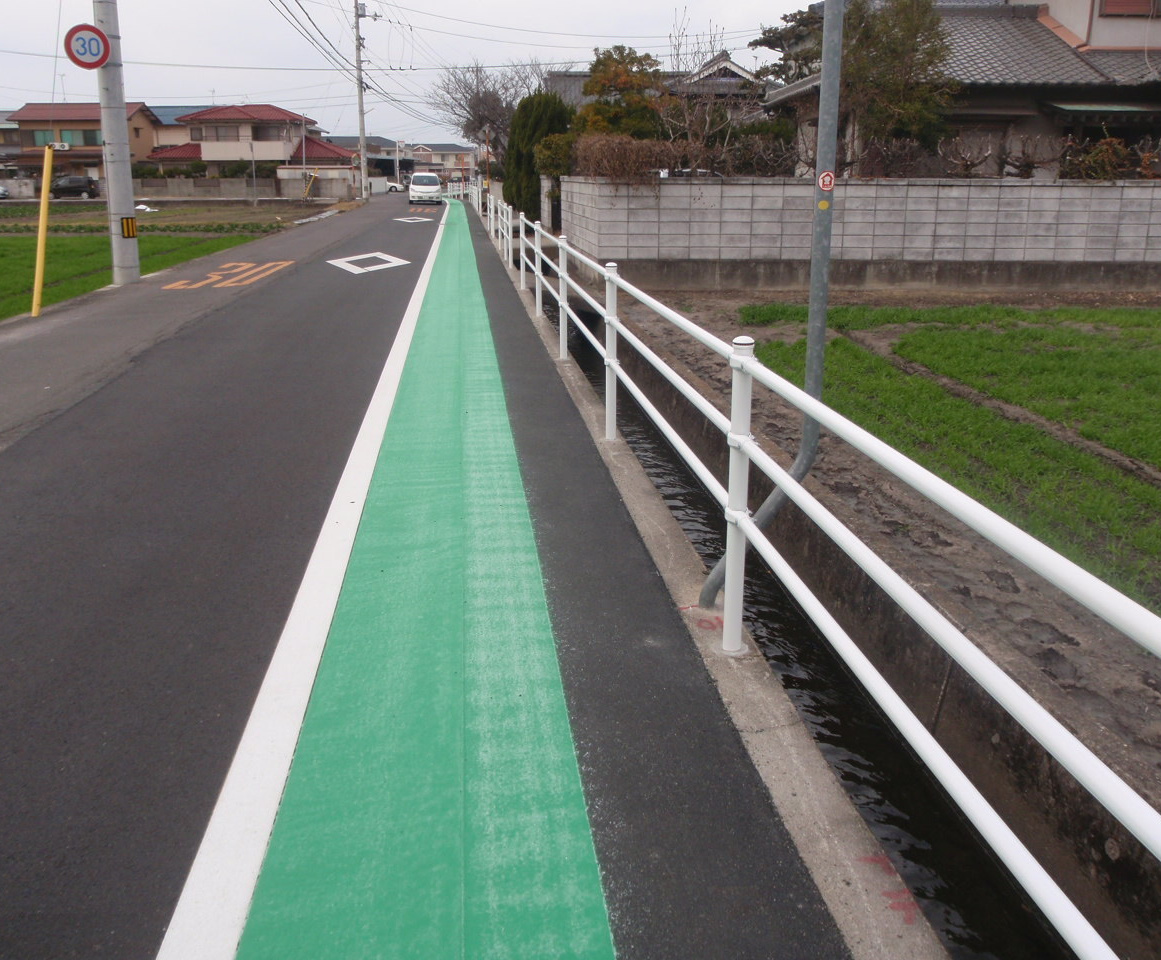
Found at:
[744, 344]
[611, 266]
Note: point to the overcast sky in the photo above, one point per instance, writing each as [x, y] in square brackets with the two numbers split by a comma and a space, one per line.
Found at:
[191, 52]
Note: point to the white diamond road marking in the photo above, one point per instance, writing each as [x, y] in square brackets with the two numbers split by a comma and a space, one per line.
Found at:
[351, 265]
[413, 219]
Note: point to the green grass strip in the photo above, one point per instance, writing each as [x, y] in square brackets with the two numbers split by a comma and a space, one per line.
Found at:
[78, 265]
[1101, 518]
[434, 808]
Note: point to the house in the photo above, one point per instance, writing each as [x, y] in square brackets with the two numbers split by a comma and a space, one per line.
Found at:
[170, 131]
[78, 125]
[447, 159]
[250, 133]
[382, 154]
[1027, 75]
[9, 139]
[719, 78]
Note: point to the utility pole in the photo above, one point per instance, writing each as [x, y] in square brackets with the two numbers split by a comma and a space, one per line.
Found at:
[360, 13]
[118, 159]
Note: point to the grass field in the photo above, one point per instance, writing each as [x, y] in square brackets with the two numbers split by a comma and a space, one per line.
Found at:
[1097, 372]
[80, 264]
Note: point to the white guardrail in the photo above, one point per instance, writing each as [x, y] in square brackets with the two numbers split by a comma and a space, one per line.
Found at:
[1135, 621]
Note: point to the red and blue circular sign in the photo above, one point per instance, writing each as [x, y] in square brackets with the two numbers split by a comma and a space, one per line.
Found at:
[87, 46]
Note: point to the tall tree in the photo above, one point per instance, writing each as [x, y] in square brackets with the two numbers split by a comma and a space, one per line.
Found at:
[627, 85]
[479, 101]
[536, 117]
[895, 53]
[895, 82]
[798, 40]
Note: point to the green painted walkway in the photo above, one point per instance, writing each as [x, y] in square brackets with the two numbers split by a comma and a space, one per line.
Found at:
[434, 809]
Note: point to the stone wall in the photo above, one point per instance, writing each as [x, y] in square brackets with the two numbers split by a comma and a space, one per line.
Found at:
[713, 231]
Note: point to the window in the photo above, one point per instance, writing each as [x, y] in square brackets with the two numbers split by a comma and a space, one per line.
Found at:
[213, 133]
[1127, 8]
[42, 138]
[10, 136]
[81, 138]
[268, 131]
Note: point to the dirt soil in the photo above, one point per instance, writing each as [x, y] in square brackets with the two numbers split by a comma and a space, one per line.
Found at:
[1097, 682]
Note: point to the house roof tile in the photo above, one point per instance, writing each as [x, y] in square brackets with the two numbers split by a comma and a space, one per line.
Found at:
[320, 150]
[1007, 46]
[1000, 46]
[1127, 67]
[261, 112]
[85, 112]
[186, 151]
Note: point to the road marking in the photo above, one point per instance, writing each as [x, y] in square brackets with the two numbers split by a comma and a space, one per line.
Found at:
[413, 219]
[233, 275]
[211, 912]
[386, 262]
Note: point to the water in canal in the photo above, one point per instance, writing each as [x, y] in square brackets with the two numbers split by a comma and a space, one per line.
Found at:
[967, 896]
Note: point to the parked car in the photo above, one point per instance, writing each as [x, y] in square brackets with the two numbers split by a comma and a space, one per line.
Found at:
[425, 188]
[393, 187]
[4, 194]
[83, 187]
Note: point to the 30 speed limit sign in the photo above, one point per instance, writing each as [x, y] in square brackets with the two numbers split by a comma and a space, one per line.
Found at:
[87, 46]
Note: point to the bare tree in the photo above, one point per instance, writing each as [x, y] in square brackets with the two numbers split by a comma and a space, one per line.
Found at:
[480, 101]
[708, 101]
[963, 156]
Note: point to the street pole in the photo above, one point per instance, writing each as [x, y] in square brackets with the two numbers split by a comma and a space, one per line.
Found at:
[826, 153]
[118, 159]
[360, 12]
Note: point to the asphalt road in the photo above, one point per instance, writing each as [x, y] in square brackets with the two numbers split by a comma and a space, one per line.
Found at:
[169, 453]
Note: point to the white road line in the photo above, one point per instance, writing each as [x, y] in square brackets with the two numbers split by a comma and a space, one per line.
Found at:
[211, 912]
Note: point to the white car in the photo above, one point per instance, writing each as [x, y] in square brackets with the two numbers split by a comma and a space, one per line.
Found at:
[425, 188]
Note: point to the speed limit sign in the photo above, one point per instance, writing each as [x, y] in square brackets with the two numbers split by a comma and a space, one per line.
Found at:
[87, 46]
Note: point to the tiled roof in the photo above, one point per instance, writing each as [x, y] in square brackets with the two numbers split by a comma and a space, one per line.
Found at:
[320, 150]
[1006, 46]
[1127, 67]
[352, 143]
[187, 151]
[261, 112]
[36, 112]
[999, 46]
[443, 147]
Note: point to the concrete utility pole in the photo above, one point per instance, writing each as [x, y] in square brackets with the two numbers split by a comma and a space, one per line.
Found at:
[360, 12]
[118, 159]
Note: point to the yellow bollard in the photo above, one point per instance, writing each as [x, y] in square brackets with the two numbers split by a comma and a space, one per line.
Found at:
[42, 232]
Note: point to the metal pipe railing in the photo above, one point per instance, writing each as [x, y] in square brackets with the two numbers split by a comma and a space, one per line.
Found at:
[1134, 621]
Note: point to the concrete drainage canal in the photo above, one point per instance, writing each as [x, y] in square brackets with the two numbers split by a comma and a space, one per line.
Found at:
[967, 897]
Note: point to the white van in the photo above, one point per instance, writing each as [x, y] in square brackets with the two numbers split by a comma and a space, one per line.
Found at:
[425, 188]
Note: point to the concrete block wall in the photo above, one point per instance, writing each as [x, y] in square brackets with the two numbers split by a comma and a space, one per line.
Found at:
[927, 221]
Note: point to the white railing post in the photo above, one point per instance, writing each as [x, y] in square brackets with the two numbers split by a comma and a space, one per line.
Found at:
[538, 270]
[737, 497]
[508, 238]
[491, 217]
[562, 264]
[611, 360]
[523, 279]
